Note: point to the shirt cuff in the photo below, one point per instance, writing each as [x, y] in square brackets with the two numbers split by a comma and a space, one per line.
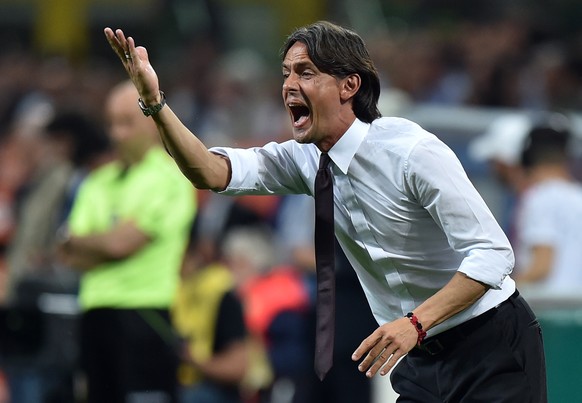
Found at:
[244, 169]
[488, 266]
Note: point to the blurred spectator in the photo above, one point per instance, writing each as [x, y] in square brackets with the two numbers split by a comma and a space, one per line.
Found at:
[500, 148]
[218, 214]
[21, 121]
[493, 52]
[294, 225]
[127, 237]
[208, 316]
[32, 90]
[20, 152]
[275, 302]
[552, 79]
[419, 67]
[549, 222]
[72, 145]
[529, 154]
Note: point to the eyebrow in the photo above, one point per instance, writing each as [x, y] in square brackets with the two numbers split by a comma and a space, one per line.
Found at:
[300, 64]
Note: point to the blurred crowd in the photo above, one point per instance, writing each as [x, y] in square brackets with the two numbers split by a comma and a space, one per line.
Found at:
[232, 97]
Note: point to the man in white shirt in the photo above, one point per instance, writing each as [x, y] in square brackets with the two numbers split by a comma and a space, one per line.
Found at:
[427, 250]
[549, 221]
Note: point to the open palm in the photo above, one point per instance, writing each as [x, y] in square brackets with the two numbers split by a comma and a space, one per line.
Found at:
[136, 63]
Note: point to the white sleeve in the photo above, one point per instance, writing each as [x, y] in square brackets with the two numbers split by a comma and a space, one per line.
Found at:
[276, 168]
[441, 185]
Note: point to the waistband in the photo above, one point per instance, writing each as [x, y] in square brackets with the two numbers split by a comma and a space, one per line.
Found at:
[441, 342]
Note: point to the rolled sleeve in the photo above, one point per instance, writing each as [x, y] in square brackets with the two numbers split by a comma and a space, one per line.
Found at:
[488, 266]
[244, 169]
[276, 168]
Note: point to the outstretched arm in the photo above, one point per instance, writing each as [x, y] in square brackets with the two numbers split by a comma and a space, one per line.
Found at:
[204, 169]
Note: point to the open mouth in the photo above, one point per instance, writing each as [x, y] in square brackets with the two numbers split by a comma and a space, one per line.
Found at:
[300, 114]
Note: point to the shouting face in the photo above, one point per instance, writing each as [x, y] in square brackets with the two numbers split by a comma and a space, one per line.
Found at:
[318, 103]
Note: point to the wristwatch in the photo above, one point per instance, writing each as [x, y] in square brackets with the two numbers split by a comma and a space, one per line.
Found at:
[152, 110]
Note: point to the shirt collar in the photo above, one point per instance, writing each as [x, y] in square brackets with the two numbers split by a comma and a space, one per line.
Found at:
[344, 150]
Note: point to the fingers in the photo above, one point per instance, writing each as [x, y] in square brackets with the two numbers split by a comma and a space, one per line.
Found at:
[131, 54]
[122, 46]
[375, 359]
[121, 38]
[135, 61]
[115, 43]
[381, 361]
[376, 356]
[365, 346]
[383, 348]
[378, 363]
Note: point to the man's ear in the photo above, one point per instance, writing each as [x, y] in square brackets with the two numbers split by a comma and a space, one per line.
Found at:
[350, 86]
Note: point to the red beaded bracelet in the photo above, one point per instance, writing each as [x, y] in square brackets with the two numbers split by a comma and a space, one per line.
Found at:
[418, 326]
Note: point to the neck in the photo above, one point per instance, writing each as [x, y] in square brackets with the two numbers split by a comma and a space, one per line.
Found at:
[329, 141]
[544, 173]
[135, 154]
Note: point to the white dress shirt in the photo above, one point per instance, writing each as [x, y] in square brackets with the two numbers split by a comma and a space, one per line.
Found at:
[406, 215]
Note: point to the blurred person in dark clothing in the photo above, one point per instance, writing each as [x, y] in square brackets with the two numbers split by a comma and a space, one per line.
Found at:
[71, 145]
[208, 316]
[275, 301]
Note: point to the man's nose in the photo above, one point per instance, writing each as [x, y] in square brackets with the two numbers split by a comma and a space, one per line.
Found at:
[290, 82]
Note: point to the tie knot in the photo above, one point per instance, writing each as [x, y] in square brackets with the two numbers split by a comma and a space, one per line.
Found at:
[324, 160]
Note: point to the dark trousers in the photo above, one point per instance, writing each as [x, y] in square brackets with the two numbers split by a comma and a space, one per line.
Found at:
[497, 357]
[127, 356]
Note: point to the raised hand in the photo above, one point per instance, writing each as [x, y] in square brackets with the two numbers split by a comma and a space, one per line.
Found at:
[137, 64]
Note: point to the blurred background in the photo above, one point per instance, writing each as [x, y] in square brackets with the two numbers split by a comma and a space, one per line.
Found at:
[453, 67]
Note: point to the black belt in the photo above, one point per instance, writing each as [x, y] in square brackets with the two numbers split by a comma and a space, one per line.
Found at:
[436, 344]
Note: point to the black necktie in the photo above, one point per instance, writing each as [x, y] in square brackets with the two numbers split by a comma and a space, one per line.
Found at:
[324, 259]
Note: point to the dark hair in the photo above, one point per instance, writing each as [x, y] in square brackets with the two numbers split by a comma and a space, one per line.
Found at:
[340, 52]
[545, 144]
[87, 136]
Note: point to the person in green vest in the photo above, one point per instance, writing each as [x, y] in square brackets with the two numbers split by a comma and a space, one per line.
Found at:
[127, 234]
